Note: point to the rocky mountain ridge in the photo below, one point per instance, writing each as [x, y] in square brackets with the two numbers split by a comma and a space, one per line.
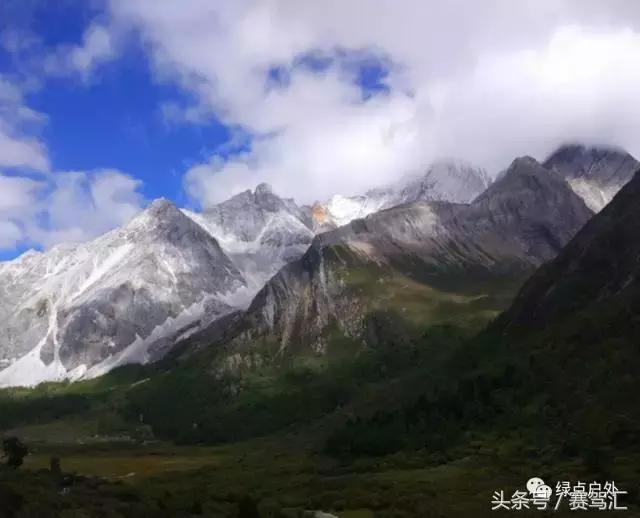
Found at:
[259, 231]
[600, 263]
[130, 295]
[449, 180]
[520, 222]
[595, 173]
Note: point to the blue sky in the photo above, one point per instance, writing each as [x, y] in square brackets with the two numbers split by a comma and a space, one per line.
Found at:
[114, 119]
[107, 104]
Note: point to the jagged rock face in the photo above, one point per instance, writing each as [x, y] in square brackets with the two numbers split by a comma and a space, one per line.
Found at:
[521, 221]
[247, 215]
[599, 265]
[443, 181]
[596, 174]
[94, 305]
[531, 210]
[259, 231]
[447, 181]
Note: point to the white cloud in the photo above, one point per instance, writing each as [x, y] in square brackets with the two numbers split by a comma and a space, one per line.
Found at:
[321, 148]
[484, 81]
[581, 85]
[18, 200]
[10, 235]
[17, 148]
[22, 152]
[98, 46]
[83, 205]
[17, 194]
[65, 207]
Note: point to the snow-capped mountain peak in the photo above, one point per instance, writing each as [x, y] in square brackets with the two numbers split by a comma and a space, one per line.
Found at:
[446, 180]
[83, 309]
[259, 231]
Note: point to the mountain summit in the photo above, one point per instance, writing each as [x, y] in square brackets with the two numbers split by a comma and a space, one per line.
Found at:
[80, 310]
[83, 309]
[596, 174]
[599, 264]
[521, 221]
[259, 231]
[451, 180]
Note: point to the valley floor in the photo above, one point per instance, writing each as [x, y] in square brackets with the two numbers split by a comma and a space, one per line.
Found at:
[284, 476]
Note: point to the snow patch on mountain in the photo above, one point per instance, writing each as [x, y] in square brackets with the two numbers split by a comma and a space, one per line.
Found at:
[595, 196]
[30, 370]
[453, 181]
[344, 209]
[145, 350]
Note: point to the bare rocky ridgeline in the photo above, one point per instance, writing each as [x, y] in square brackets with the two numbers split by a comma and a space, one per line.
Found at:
[518, 223]
[130, 295]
